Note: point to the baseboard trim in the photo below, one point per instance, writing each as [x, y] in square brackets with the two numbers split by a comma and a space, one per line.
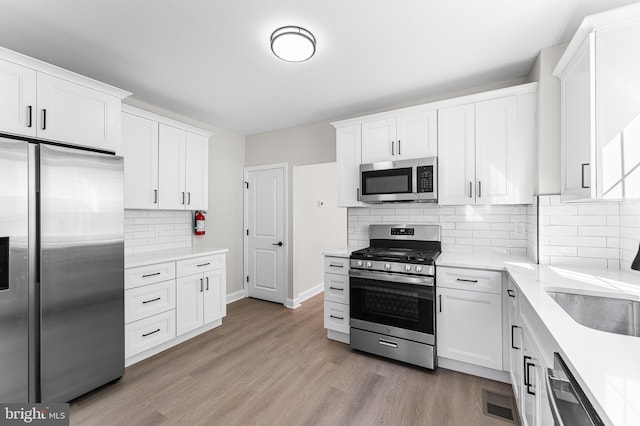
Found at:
[305, 295]
[235, 296]
[474, 370]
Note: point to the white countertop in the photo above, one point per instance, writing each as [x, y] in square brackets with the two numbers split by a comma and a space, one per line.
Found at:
[132, 261]
[342, 251]
[491, 261]
[606, 365]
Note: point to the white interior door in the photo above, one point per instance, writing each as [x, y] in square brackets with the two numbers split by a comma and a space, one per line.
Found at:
[265, 233]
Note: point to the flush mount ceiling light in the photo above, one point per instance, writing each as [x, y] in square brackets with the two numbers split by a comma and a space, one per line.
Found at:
[293, 44]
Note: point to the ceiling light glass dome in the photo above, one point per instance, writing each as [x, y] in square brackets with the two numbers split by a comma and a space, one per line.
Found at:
[293, 44]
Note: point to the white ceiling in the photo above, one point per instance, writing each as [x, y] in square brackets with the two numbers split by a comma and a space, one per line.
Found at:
[210, 59]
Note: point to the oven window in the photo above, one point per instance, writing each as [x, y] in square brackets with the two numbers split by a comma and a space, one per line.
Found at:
[400, 305]
[390, 181]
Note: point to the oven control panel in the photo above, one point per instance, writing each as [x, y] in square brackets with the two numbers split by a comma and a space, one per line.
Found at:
[400, 267]
[403, 231]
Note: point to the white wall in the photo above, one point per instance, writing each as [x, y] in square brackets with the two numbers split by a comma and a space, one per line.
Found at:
[318, 224]
[225, 214]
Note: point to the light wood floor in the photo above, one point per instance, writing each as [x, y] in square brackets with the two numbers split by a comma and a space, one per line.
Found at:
[268, 365]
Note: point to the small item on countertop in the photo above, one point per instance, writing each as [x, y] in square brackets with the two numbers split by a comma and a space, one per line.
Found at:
[636, 262]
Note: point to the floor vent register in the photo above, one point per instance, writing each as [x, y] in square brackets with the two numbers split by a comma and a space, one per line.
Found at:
[499, 406]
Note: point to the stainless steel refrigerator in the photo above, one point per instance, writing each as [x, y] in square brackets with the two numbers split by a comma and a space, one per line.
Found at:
[61, 271]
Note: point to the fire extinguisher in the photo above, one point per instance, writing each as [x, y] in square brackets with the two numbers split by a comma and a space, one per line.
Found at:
[199, 218]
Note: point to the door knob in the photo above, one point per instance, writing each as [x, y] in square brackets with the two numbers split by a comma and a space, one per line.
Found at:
[279, 244]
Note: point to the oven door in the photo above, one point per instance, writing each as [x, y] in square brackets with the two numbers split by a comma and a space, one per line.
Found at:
[393, 304]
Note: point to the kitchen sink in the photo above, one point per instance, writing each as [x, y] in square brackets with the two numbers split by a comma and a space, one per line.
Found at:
[610, 314]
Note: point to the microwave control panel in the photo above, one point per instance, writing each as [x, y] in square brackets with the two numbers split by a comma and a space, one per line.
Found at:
[425, 179]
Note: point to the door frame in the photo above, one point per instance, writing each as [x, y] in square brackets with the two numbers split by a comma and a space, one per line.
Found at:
[247, 170]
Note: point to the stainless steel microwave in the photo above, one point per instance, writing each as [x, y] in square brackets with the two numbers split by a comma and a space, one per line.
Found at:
[395, 181]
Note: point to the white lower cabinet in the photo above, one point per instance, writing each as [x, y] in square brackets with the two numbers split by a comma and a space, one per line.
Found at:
[149, 332]
[198, 300]
[336, 298]
[531, 353]
[169, 302]
[469, 316]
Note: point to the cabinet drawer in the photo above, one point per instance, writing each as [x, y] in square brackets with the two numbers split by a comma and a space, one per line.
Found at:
[200, 264]
[336, 265]
[149, 332]
[336, 288]
[336, 316]
[143, 275]
[469, 279]
[148, 300]
[512, 295]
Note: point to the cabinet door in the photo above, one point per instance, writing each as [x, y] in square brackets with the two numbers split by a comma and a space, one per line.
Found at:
[140, 150]
[456, 155]
[618, 111]
[18, 100]
[214, 295]
[75, 114]
[379, 141]
[196, 169]
[469, 327]
[576, 109]
[497, 151]
[171, 159]
[348, 158]
[515, 342]
[417, 135]
[189, 303]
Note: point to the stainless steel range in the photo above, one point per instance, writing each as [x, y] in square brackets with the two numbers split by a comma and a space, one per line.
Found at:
[392, 293]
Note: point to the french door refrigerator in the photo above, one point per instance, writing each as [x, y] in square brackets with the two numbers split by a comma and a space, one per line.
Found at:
[61, 271]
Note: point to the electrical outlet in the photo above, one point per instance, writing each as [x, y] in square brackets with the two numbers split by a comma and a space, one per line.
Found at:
[519, 231]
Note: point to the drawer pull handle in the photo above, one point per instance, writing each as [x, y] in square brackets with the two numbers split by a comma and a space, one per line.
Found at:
[466, 281]
[336, 288]
[336, 317]
[513, 327]
[333, 265]
[151, 332]
[203, 264]
[152, 300]
[151, 275]
[511, 293]
[388, 343]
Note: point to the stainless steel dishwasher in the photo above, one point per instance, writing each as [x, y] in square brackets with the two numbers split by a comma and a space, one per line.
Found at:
[569, 404]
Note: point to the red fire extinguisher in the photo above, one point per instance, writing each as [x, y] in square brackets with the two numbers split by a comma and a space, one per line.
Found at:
[199, 217]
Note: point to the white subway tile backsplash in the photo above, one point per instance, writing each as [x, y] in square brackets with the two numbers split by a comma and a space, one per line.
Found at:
[599, 209]
[151, 230]
[607, 233]
[464, 228]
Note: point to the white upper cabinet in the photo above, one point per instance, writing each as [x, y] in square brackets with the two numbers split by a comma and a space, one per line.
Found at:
[18, 100]
[600, 107]
[76, 114]
[46, 102]
[140, 149]
[166, 163]
[171, 154]
[404, 136]
[348, 155]
[457, 154]
[197, 171]
[486, 148]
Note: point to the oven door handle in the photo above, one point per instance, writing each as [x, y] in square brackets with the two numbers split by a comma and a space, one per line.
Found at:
[392, 277]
